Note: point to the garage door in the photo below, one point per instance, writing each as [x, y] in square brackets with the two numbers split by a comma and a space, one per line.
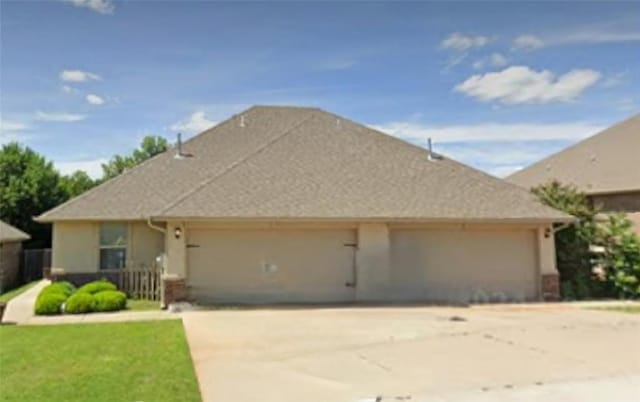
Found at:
[263, 266]
[464, 265]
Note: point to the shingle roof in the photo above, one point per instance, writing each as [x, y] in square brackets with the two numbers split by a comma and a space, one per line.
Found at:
[604, 163]
[303, 163]
[9, 233]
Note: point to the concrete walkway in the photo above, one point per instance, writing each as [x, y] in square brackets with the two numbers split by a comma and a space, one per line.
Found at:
[20, 309]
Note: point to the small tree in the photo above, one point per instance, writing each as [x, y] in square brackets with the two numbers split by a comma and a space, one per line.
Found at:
[621, 257]
[149, 147]
[573, 256]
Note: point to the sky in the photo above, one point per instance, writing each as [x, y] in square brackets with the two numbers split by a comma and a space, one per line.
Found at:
[496, 85]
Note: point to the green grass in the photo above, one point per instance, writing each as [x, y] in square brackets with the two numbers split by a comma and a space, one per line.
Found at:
[635, 309]
[142, 305]
[5, 297]
[132, 361]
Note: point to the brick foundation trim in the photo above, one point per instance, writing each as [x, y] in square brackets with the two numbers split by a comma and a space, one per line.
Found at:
[550, 287]
[174, 290]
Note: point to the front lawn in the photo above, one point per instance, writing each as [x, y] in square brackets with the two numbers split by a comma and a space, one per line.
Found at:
[5, 297]
[634, 309]
[132, 361]
[142, 305]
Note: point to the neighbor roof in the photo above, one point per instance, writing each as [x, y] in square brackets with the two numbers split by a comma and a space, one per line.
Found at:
[302, 163]
[9, 233]
[604, 163]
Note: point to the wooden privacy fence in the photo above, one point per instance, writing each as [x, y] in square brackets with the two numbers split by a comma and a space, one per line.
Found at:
[137, 283]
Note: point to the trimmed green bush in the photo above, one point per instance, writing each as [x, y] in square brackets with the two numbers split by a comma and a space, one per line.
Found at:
[49, 303]
[110, 300]
[80, 303]
[97, 286]
[64, 288]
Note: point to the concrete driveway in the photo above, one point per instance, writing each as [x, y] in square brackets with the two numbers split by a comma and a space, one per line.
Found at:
[415, 353]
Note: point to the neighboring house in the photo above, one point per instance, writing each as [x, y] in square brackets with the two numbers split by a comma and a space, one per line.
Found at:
[10, 250]
[605, 166]
[285, 204]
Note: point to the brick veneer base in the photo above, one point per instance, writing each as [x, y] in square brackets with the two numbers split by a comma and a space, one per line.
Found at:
[550, 287]
[174, 290]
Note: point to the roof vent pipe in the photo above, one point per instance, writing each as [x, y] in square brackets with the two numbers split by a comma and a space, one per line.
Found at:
[430, 149]
[180, 154]
[432, 156]
[242, 124]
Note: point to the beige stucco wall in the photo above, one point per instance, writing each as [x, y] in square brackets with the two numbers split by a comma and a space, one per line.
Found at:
[75, 245]
[392, 262]
[464, 265]
[270, 265]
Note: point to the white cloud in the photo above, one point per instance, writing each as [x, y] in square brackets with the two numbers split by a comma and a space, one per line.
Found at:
[12, 131]
[593, 36]
[68, 89]
[527, 42]
[59, 117]
[10, 125]
[95, 99]
[78, 76]
[495, 60]
[461, 42]
[196, 123]
[92, 167]
[520, 84]
[99, 6]
[498, 60]
[416, 132]
[596, 37]
[504, 170]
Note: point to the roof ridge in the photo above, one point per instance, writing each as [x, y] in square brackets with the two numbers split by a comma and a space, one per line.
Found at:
[135, 168]
[99, 186]
[233, 165]
[578, 144]
[468, 168]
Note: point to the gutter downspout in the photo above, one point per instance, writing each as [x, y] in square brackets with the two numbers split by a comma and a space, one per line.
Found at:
[563, 226]
[158, 228]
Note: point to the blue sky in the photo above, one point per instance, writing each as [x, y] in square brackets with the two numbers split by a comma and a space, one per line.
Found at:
[496, 85]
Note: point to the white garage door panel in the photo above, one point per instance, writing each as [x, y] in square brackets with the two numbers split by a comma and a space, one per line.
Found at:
[257, 266]
[464, 265]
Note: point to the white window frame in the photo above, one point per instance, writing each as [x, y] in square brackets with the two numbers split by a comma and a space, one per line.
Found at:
[126, 247]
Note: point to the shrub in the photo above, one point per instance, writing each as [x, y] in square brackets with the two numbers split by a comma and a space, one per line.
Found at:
[80, 303]
[49, 303]
[110, 300]
[63, 288]
[97, 286]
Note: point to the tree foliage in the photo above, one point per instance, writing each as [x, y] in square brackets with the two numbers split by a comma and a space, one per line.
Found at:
[76, 183]
[29, 185]
[149, 147]
[575, 259]
[621, 257]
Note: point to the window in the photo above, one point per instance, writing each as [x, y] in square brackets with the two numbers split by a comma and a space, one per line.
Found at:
[113, 245]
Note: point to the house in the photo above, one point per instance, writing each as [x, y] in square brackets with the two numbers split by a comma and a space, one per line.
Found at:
[11, 239]
[289, 204]
[605, 166]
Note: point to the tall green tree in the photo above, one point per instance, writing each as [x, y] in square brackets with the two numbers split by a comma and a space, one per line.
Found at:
[29, 185]
[573, 255]
[76, 183]
[590, 243]
[149, 147]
